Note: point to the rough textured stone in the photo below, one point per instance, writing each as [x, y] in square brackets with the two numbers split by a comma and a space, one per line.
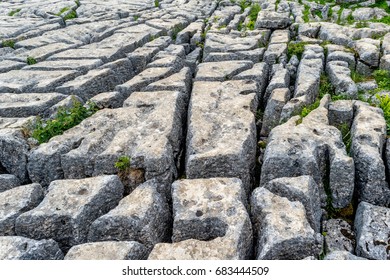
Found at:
[273, 110]
[142, 216]
[221, 71]
[340, 76]
[69, 208]
[210, 221]
[302, 189]
[368, 139]
[342, 255]
[108, 250]
[21, 248]
[310, 148]
[281, 227]
[8, 181]
[272, 20]
[339, 236]
[215, 147]
[372, 231]
[15, 202]
[341, 113]
[27, 104]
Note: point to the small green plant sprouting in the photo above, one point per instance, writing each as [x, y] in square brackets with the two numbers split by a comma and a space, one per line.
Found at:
[123, 163]
[350, 19]
[358, 78]
[306, 110]
[306, 13]
[14, 12]
[361, 24]
[382, 78]
[244, 4]
[253, 13]
[296, 49]
[318, 13]
[156, 3]
[8, 43]
[31, 60]
[136, 17]
[77, 3]
[384, 104]
[65, 119]
[70, 15]
[63, 10]
[346, 135]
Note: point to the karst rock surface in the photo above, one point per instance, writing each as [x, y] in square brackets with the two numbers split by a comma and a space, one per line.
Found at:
[194, 129]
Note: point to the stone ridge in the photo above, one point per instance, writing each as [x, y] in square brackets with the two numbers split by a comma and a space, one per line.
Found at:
[194, 130]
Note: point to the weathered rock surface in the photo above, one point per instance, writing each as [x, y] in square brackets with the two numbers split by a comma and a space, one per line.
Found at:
[281, 227]
[108, 250]
[21, 248]
[311, 148]
[368, 139]
[372, 231]
[339, 236]
[142, 216]
[69, 208]
[210, 221]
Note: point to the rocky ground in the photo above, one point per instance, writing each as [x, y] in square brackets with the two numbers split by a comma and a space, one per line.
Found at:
[194, 129]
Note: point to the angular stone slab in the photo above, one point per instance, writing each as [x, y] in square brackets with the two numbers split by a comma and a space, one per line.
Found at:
[281, 227]
[340, 77]
[369, 51]
[15, 202]
[210, 221]
[27, 104]
[372, 231]
[221, 71]
[82, 65]
[342, 255]
[108, 250]
[69, 208]
[8, 181]
[273, 110]
[14, 148]
[143, 79]
[302, 189]
[368, 139]
[221, 137]
[339, 236]
[275, 53]
[148, 130]
[272, 20]
[280, 79]
[19, 81]
[310, 148]
[21, 248]
[142, 216]
[181, 81]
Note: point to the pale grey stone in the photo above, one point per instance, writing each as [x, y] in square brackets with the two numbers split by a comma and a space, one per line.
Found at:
[16, 201]
[210, 221]
[69, 208]
[108, 250]
[27, 104]
[281, 227]
[141, 216]
[310, 148]
[368, 139]
[221, 71]
[273, 110]
[111, 99]
[215, 147]
[21, 248]
[340, 76]
[341, 113]
[342, 255]
[275, 53]
[372, 231]
[339, 236]
[272, 20]
[8, 181]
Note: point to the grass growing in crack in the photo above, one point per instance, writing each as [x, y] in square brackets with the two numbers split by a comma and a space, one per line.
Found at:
[63, 10]
[65, 119]
[385, 20]
[244, 4]
[382, 78]
[358, 78]
[306, 13]
[254, 11]
[307, 109]
[14, 12]
[384, 104]
[326, 86]
[123, 163]
[381, 4]
[296, 49]
[70, 15]
[156, 3]
[8, 43]
[31, 60]
[361, 24]
[346, 135]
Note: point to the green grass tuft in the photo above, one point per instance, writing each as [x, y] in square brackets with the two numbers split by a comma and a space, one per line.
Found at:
[306, 13]
[244, 4]
[14, 12]
[156, 3]
[31, 60]
[122, 163]
[254, 11]
[65, 119]
[384, 104]
[8, 43]
[296, 49]
[70, 15]
[306, 110]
